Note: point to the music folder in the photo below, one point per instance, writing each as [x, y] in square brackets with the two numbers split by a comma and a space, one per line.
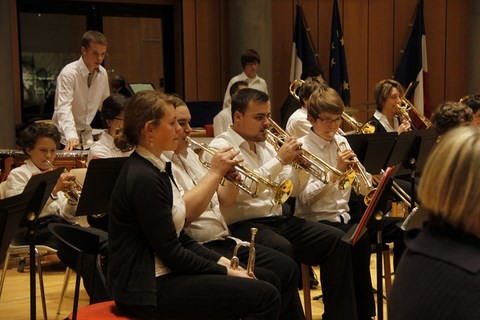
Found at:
[97, 188]
[378, 203]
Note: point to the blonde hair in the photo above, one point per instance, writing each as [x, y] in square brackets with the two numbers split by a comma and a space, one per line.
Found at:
[325, 100]
[450, 183]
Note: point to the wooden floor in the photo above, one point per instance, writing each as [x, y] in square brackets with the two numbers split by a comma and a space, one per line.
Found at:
[15, 301]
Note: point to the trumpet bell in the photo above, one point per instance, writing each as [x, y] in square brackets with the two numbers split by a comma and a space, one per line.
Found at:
[283, 191]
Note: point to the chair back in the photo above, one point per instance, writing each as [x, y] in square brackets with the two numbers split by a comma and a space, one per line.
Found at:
[76, 244]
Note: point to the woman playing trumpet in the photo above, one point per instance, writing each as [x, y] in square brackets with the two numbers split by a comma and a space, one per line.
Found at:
[387, 118]
[326, 202]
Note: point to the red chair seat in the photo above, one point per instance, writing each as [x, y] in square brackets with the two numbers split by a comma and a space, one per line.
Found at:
[100, 311]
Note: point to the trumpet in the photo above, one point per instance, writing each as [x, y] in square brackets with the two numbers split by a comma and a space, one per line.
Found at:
[234, 262]
[399, 192]
[358, 171]
[73, 192]
[250, 180]
[405, 106]
[367, 128]
[310, 163]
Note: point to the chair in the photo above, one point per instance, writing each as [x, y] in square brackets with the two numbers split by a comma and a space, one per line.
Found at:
[78, 244]
[23, 250]
[307, 300]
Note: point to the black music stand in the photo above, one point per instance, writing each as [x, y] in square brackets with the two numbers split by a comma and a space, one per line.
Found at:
[373, 150]
[22, 210]
[375, 208]
[411, 150]
[98, 185]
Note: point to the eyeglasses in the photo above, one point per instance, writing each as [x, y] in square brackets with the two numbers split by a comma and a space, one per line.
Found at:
[331, 121]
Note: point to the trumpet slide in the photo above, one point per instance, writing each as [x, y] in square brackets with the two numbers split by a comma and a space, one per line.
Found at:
[250, 180]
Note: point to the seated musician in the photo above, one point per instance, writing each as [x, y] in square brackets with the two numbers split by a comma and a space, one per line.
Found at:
[156, 270]
[388, 94]
[298, 124]
[224, 118]
[473, 101]
[207, 225]
[327, 201]
[450, 115]
[306, 241]
[112, 118]
[40, 142]
[439, 274]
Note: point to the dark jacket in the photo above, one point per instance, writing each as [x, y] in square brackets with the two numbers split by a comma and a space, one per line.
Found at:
[140, 227]
[438, 276]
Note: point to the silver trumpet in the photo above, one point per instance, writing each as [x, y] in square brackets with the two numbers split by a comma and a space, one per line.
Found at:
[311, 163]
[234, 262]
[250, 180]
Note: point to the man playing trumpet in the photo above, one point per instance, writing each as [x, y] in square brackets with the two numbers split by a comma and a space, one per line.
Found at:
[328, 203]
[206, 224]
[306, 241]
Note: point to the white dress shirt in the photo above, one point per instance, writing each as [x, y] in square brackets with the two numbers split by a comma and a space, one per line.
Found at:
[265, 164]
[105, 148]
[320, 201]
[76, 104]
[298, 124]
[222, 121]
[254, 83]
[384, 121]
[17, 181]
[188, 171]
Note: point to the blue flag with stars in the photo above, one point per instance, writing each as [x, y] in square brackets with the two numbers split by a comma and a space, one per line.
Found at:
[338, 62]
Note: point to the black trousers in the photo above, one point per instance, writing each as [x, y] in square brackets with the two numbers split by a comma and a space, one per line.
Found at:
[311, 243]
[211, 297]
[361, 272]
[278, 263]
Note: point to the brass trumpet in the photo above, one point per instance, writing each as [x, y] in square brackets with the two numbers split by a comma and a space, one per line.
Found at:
[73, 192]
[358, 171]
[310, 163]
[405, 106]
[250, 180]
[367, 128]
[234, 262]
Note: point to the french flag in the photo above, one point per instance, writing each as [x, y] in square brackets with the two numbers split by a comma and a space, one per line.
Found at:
[413, 65]
[303, 54]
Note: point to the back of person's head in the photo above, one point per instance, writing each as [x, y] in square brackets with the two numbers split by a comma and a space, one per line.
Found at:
[30, 135]
[450, 182]
[473, 101]
[306, 90]
[243, 97]
[249, 56]
[93, 36]
[450, 115]
[112, 107]
[118, 82]
[325, 100]
[236, 86]
[143, 107]
[383, 89]
[312, 72]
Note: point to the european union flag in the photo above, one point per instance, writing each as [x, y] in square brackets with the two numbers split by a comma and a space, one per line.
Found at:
[338, 62]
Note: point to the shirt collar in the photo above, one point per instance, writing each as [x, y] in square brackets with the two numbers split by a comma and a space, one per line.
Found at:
[249, 80]
[157, 162]
[319, 141]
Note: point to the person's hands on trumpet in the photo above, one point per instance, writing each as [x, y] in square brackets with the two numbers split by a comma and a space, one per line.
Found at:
[64, 182]
[223, 162]
[290, 150]
[345, 159]
[404, 126]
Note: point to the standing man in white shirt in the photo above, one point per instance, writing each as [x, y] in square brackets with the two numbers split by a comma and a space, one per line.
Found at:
[81, 88]
[305, 241]
[250, 60]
